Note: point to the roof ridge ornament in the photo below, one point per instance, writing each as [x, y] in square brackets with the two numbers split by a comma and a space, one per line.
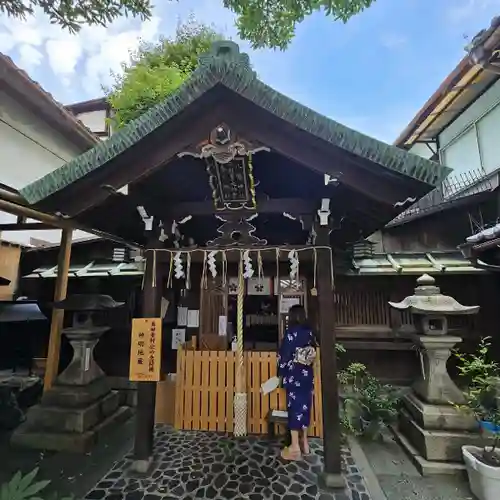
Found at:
[225, 55]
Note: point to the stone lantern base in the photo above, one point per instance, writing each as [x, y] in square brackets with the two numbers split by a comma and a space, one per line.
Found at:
[80, 406]
[430, 428]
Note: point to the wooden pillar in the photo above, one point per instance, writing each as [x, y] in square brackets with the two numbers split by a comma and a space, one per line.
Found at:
[329, 383]
[57, 320]
[146, 391]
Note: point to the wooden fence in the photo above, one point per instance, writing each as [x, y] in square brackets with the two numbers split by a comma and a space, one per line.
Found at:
[205, 389]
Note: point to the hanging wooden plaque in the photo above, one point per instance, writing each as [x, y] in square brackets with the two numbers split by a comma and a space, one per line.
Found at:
[145, 353]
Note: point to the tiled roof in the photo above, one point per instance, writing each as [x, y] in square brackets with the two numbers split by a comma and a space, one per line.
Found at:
[225, 65]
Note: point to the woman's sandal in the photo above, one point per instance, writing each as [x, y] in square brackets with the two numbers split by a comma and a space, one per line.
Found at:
[291, 455]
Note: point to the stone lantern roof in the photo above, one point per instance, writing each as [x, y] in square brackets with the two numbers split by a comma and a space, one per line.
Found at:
[429, 300]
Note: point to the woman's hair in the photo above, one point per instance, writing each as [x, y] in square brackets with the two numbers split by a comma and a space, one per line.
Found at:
[297, 316]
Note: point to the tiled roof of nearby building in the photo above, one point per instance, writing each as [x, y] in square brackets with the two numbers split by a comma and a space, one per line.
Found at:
[224, 65]
[459, 90]
[31, 95]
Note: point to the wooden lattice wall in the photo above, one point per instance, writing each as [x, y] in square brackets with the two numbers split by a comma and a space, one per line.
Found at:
[205, 391]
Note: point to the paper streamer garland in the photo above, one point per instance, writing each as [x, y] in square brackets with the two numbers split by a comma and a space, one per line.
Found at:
[177, 267]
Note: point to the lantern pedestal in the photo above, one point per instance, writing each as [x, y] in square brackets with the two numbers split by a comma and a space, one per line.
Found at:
[80, 406]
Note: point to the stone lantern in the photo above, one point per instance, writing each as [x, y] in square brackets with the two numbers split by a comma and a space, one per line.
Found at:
[431, 428]
[80, 405]
[83, 335]
[430, 311]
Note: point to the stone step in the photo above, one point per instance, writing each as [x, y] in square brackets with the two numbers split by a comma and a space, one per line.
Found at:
[69, 441]
[79, 420]
[76, 395]
[426, 467]
[436, 445]
[438, 417]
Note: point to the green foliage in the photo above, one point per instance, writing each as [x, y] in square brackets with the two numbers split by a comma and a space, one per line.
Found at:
[272, 23]
[481, 376]
[72, 15]
[263, 23]
[25, 488]
[157, 70]
[369, 405]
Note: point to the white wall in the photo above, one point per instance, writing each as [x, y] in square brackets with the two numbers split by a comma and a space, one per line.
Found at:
[422, 150]
[94, 120]
[29, 149]
[472, 141]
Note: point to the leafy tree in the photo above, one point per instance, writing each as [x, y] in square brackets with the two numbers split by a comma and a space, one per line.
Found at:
[264, 23]
[73, 14]
[271, 23]
[156, 70]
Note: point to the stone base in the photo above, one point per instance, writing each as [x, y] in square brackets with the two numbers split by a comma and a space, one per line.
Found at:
[438, 417]
[436, 445]
[29, 437]
[427, 467]
[76, 396]
[79, 420]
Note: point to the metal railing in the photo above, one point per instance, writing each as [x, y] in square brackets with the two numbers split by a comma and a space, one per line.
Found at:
[452, 188]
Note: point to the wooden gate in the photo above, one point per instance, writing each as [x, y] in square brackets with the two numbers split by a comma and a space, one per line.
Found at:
[205, 391]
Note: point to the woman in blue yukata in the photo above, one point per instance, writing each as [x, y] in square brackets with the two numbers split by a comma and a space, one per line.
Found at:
[295, 367]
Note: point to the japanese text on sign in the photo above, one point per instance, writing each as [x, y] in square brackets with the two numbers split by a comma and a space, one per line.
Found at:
[145, 354]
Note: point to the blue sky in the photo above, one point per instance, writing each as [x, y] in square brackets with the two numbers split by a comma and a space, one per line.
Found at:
[372, 74]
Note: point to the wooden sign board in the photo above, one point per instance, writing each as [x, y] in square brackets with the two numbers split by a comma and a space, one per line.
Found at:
[145, 353]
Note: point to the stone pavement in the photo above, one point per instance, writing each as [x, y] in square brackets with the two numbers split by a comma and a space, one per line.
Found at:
[196, 464]
[399, 479]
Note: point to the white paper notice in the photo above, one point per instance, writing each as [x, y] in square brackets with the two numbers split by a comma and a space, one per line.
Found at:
[223, 325]
[270, 385]
[182, 316]
[287, 302]
[178, 337]
[193, 318]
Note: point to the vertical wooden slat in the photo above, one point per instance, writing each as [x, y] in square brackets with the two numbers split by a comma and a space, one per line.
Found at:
[205, 391]
[57, 320]
[231, 368]
[197, 378]
[179, 390]
[221, 395]
[188, 399]
[214, 389]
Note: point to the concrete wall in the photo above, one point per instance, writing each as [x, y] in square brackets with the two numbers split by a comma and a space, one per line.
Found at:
[29, 150]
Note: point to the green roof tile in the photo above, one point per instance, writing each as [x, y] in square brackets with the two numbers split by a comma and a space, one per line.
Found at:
[225, 65]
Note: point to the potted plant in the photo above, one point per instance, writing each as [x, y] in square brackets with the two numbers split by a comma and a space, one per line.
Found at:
[482, 400]
[368, 405]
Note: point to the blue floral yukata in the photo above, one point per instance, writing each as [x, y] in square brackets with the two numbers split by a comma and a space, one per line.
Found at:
[298, 379]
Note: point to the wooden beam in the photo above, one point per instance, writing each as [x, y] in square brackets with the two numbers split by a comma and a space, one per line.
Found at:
[56, 324]
[146, 391]
[14, 208]
[25, 226]
[329, 383]
[293, 206]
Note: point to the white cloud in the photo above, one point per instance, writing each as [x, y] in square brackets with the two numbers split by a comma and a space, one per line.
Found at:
[29, 56]
[462, 11]
[393, 41]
